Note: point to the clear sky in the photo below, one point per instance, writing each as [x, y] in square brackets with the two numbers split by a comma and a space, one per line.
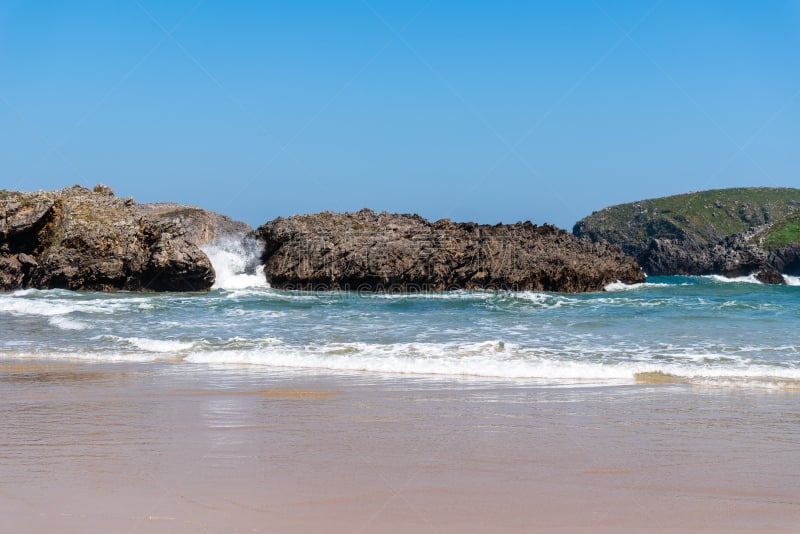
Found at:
[487, 111]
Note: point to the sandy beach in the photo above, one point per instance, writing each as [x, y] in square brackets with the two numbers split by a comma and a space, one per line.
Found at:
[176, 448]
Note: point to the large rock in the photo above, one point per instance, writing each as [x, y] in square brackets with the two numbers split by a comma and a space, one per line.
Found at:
[771, 276]
[732, 256]
[786, 259]
[391, 252]
[81, 239]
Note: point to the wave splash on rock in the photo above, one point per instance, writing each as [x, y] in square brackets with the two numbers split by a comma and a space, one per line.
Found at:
[237, 262]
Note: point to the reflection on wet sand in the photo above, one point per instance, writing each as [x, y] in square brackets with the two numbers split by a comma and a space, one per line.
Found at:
[178, 448]
[270, 393]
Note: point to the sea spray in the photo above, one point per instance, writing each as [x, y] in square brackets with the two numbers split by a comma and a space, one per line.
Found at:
[791, 280]
[237, 262]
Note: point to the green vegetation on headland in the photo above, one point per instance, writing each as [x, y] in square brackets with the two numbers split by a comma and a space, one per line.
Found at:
[781, 234]
[701, 217]
[732, 232]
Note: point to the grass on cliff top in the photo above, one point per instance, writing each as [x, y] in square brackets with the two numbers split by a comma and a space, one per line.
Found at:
[709, 214]
[784, 233]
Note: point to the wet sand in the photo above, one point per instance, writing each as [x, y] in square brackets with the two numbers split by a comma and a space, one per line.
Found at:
[184, 448]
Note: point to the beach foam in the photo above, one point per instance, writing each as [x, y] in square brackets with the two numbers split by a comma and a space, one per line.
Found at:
[491, 359]
[495, 359]
[158, 345]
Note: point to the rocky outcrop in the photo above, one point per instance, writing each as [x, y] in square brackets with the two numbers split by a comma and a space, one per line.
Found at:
[390, 252]
[81, 239]
[770, 276]
[732, 256]
[201, 226]
[732, 232]
[703, 217]
[786, 259]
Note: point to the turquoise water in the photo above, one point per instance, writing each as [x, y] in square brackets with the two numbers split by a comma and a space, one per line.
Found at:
[700, 330]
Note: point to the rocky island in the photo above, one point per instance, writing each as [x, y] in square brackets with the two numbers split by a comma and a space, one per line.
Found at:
[399, 252]
[731, 232]
[78, 238]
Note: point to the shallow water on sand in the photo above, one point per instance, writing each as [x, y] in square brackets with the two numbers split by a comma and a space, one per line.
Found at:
[180, 447]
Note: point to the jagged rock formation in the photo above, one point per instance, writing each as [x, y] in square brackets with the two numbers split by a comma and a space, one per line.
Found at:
[201, 226]
[731, 232]
[81, 239]
[391, 252]
[770, 276]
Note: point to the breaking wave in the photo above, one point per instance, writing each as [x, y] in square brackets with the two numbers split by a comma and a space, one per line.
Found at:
[237, 262]
[749, 279]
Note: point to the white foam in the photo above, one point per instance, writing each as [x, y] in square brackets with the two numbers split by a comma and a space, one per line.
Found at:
[84, 355]
[492, 359]
[749, 279]
[20, 306]
[55, 302]
[66, 323]
[236, 262]
[622, 286]
[24, 292]
[488, 359]
[158, 345]
[455, 294]
[542, 298]
[791, 280]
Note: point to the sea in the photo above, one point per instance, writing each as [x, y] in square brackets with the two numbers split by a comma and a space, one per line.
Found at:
[706, 331]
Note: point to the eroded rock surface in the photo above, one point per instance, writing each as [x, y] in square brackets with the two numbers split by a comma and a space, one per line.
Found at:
[392, 252]
[201, 226]
[77, 238]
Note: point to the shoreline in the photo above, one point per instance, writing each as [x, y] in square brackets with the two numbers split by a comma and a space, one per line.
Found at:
[183, 448]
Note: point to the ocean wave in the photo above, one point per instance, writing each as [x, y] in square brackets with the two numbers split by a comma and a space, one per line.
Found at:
[497, 360]
[491, 359]
[455, 294]
[65, 323]
[621, 286]
[50, 303]
[152, 345]
[791, 280]
[237, 263]
[91, 356]
[547, 300]
[749, 279]
[19, 306]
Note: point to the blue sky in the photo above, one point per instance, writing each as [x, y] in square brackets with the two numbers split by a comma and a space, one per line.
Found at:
[485, 111]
